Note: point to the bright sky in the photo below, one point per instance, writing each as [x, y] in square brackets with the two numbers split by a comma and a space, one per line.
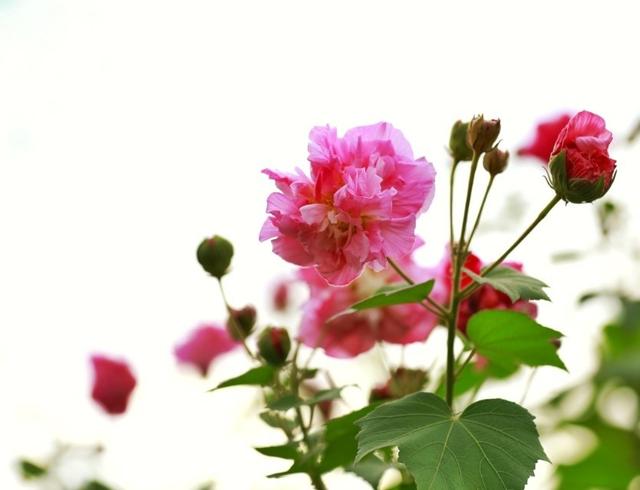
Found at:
[129, 130]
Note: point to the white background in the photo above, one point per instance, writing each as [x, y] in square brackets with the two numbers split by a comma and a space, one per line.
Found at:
[129, 130]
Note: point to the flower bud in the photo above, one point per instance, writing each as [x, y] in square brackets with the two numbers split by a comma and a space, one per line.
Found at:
[482, 134]
[214, 255]
[241, 322]
[458, 146]
[274, 345]
[495, 161]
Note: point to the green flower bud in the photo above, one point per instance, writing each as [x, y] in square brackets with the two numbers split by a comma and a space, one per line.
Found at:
[458, 146]
[274, 345]
[482, 134]
[214, 255]
[495, 161]
[576, 190]
[241, 322]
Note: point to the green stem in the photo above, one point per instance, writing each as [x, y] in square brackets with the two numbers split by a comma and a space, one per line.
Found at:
[432, 305]
[472, 287]
[477, 222]
[452, 178]
[458, 258]
[316, 481]
[464, 364]
[234, 325]
[528, 385]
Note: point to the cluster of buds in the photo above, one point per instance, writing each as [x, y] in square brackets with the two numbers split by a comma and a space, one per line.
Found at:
[476, 137]
[215, 255]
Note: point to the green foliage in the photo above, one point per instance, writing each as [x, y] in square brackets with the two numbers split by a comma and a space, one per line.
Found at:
[30, 470]
[395, 296]
[513, 283]
[612, 464]
[259, 376]
[95, 485]
[279, 421]
[492, 445]
[289, 401]
[509, 338]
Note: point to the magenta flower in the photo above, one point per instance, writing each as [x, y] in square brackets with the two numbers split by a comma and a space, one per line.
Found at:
[358, 207]
[586, 140]
[485, 298]
[349, 335]
[203, 346]
[547, 132]
[113, 383]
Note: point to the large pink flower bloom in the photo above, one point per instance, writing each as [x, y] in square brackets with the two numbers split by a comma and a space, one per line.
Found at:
[357, 208]
[547, 132]
[586, 142]
[349, 335]
[113, 383]
[203, 346]
[485, 298]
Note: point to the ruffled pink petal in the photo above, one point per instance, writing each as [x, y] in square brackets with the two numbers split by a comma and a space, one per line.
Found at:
[292, 251]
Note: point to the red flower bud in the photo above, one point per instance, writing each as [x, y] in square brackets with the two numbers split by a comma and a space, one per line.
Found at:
[274, 345]
[580, 168]
[241, 322]
[113, 383]
[214, 255]
[280, 297]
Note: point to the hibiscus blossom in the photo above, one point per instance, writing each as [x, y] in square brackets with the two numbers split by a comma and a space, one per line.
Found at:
[358, 207]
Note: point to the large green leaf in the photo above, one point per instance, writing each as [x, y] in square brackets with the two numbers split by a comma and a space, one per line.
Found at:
[513, 283]
[396, 296]
[492, 445]
[509, 338]
[259, 376]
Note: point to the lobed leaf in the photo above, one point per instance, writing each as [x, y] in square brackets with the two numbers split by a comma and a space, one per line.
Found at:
[512, 282]
[509, 338]
[492, 445]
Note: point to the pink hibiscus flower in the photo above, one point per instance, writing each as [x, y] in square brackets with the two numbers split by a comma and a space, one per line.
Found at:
[113, 383]
[358, 206]
[349, 335]
[203, 346]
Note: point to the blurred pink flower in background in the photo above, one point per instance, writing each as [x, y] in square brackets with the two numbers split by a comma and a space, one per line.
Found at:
[203, 345]
[280, 295]
[485, 298]
[352, 334]
[586, 141]
[113, 383]
[545, 138]
[358, 207]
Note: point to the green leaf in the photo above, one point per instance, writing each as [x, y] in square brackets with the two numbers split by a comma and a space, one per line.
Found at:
[278, 420]
[370, 469]
[95, 485]
[340, 440]
[509, 338]
[291, 401]
[410, 294]
[30, 470]
[492, 445]
[259, 376]
[284, 451]
[513, 283]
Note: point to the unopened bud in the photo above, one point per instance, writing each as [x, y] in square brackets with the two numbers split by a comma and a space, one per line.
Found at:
[274, 345]
[241, 322]
[214, 255]
[458, 146]
[495, 161]
[482, 133]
